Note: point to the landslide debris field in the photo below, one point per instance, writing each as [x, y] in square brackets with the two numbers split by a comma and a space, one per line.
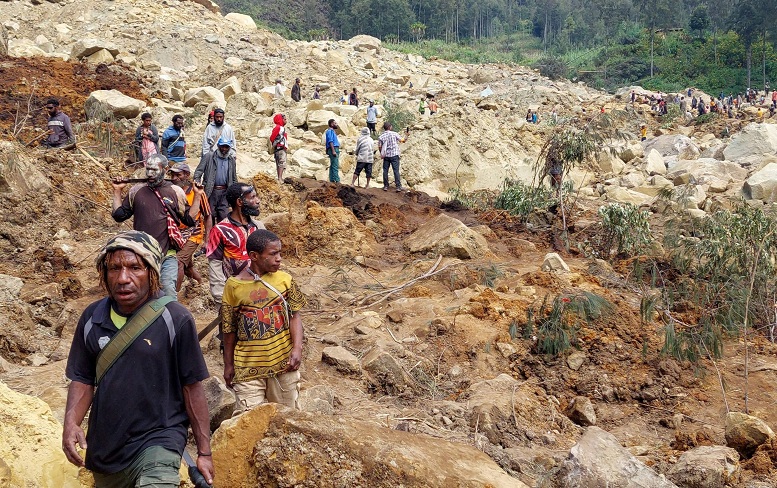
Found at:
[452, 324]
[422, 314]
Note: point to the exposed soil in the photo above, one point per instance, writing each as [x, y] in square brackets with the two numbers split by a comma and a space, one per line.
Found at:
[26, 84]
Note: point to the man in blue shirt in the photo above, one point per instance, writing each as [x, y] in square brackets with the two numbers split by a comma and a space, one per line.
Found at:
[333, 151]
[173, 142]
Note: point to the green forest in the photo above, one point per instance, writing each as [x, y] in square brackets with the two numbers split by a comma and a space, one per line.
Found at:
[714, 45]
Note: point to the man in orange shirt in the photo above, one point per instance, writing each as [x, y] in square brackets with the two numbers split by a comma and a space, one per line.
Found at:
[195, 235]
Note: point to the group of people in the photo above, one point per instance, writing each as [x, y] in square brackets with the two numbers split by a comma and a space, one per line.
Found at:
[726, 105]
[142, 347]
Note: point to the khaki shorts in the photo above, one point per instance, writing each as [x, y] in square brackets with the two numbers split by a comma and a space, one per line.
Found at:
[280, 158]
[283, 389]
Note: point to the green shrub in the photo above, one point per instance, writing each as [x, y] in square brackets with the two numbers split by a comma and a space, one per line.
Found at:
[553, 68]
[521, 199]
[625, 231]
[398, 117]
[556, 324]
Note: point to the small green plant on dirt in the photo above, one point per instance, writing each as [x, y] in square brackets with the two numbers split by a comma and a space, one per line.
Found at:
[556, 323]
[625, 231]
[478, 200]
[489, 274]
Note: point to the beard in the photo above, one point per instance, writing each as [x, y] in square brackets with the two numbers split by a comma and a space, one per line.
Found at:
[158, 180]
[218, 124]
[249, 211]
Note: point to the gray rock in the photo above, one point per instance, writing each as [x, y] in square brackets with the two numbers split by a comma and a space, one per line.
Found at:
[10, 288]
[598, 460]
[203, 94]
[581, 411]
[745, 433]
[3, 41]
[706, 467]
[221, 401]
[385, 373]
[762, 185]
[342, 359]
[753, 140]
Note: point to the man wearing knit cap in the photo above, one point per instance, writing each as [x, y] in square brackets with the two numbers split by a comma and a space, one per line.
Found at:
[141, 348]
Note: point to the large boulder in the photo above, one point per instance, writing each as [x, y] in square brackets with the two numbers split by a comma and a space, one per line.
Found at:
[285, 447]
[753, 140]
[581, 411]
[654, 163]
[103, 103]
[318, 120]
[449, 237]
[203, 94]
[247, 103]
[242, 20]
[231, 87]
[365, 43]
[762, 185]
[706, 467]
[32, 452]
[87, 47]
[598, 460]
[399, 76]
[745, 433]
[673, 145]
[309, 162]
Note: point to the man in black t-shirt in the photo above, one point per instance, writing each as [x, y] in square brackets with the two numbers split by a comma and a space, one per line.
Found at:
[151, 392]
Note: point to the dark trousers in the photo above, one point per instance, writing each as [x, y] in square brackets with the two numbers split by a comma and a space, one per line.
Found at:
[218, 205]
[392, 161]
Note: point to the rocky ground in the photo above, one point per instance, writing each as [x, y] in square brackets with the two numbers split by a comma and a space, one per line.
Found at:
[417, 371]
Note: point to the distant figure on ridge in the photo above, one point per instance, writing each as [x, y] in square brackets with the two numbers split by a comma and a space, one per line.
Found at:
[146, 138]
[296, 94]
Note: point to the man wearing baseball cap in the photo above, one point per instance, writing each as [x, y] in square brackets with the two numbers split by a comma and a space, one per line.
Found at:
[194, 235]
[141, 348]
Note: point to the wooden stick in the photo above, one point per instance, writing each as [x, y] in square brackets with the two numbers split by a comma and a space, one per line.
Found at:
[82, 151]
[396, 289]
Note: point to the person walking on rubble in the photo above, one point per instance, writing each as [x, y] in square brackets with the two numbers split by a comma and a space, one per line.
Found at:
[158, 208]
[150, 390]
[146, 138]
[215, 131]
[216, 171]
[262, 326]
[226, 244]
[173, 141]
[280, 144]
[195, 235]
[333, 151]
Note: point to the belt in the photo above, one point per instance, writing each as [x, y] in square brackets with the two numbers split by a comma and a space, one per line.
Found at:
[220, 187]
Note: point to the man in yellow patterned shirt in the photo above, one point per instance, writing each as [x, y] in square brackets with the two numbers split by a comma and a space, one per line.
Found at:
[262, 328]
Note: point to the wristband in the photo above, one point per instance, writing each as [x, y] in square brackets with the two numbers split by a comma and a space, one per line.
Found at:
[204, 454]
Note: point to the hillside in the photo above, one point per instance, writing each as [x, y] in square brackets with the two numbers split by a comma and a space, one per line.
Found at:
[424, 360]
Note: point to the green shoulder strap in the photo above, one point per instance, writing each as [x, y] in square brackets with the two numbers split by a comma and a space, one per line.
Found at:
[135, 326]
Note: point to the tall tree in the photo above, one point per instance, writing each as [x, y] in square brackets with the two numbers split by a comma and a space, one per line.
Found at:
[747, 23]
[657, 14]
